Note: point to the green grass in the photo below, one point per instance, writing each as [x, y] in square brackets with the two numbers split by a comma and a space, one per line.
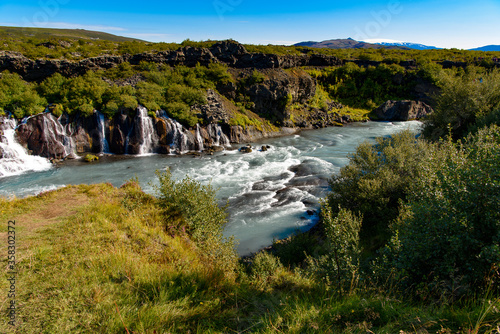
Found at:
[96, 259]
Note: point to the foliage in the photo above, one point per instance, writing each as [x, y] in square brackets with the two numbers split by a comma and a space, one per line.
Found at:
[121, 71]
[191, 207]
[363, 87]
[374, 181]
[340, 265]
[465, 97]
[264, 267]
[126, 273]
[449, 232]
[19, 97]
[182, 113]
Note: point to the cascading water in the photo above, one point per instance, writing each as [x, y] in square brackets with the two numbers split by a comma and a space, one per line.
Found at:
[60, 134]
[14, 158]
[101, 125]
[179, 138]
[215, 132]
[199, 140]
[148, 134]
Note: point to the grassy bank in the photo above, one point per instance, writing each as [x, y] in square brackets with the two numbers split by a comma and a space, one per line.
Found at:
[97, 259]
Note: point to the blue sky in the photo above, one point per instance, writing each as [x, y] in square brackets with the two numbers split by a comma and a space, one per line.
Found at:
[442, 23]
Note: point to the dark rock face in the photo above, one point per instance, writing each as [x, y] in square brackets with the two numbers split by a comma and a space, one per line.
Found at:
[402, 111]
[279, 89]
[214, 111]
[46, 136]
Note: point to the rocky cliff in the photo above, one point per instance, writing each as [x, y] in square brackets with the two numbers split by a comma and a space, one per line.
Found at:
[227, 52]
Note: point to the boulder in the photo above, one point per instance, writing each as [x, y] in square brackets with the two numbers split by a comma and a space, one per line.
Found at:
[246, 149]
[401, 111]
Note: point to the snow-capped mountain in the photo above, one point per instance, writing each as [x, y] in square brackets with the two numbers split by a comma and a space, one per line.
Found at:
[388, 42]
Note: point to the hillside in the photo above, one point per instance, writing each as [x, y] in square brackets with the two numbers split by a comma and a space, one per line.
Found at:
[49, 33]
[488, 48]
[348, 43]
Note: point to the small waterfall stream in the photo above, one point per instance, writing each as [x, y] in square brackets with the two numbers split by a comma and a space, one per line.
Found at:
[14, 158]
[199, 140]
[148, 134]
[179, 137]
[215, 132]
[101, 125]
[61, 135]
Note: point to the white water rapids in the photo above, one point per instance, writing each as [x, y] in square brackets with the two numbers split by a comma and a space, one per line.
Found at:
[269, 192]
[15, 159]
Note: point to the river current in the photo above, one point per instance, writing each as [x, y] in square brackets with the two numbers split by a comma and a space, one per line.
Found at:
[271, 194]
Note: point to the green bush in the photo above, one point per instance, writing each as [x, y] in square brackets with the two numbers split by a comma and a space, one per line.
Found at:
[448, 236]
[19, 97]
[191, 207]
[255, 78]
[264, 267]
[182, 113]
[121, 71]
[340, 265]
[53, 87]
[465, 97]
[376, 179]
[185, 94]
[150, 95]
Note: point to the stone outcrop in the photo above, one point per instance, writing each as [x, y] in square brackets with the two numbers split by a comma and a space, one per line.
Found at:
[278, 91]
[401, 111]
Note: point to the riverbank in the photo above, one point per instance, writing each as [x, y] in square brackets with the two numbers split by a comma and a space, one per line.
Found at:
[100, 263]
[268, 192]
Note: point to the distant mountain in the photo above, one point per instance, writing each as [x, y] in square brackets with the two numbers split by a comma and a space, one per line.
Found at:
[487, 48]
[413, 46]
[348, 43]
[43, 33]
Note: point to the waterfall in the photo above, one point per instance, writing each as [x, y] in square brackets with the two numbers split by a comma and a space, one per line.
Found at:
[14, 158]
[101, 125]
[180, 140]
[56, 130]
[199, 140]
[148, 134]
[219, 138]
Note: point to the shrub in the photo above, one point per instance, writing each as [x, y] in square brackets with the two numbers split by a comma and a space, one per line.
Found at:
[465, 98]
[182, 113]
[53, 87]
[449, 232]
[340, 266]
[191, 207]
[255, 78]
[185, 94]
[264, 267]
[374, 181]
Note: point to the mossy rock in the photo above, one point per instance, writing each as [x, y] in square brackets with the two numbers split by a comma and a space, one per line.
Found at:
[90, 158]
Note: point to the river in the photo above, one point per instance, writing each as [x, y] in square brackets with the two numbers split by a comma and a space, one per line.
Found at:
[271, 194]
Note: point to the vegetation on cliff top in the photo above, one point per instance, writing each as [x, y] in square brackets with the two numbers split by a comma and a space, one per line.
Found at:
[76, 44]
